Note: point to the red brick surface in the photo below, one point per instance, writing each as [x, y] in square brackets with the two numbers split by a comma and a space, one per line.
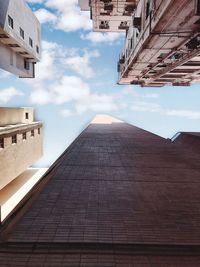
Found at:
[116, 184]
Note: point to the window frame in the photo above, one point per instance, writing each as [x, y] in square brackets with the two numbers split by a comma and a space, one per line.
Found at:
[21, 32]
[14, 139]
[26, 64]
[2, 144]
[37, 49]
[30, 42]
[32, 133]
[10, 22]
[24, 136]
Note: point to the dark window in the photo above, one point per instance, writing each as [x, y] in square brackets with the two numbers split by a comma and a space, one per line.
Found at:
[38, 130]
[32, 133]
[147, 9]
[198, 8]
[14, 139]
[26, 115]
[10, 22]
[1, 143]
[37, 49]
[24, 136]
[21, 32]
[26, 65]
[30, 42]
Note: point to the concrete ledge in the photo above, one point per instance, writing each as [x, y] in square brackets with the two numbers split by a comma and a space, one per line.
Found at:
[14, 192]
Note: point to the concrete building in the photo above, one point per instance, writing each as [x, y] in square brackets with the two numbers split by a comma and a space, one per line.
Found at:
[162, 43]
[119, 196]
[109, 15]
[20, 42]
[20, 147]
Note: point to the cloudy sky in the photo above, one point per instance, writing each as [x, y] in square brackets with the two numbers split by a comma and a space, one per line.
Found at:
[76, 79]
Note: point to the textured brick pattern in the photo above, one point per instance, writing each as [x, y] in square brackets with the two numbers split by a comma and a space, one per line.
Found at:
[117, 184]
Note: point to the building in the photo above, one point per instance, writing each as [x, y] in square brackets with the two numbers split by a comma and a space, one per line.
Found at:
[20, 148]
[109, 15]
[157, 52]
[20, 42]
[119, 196]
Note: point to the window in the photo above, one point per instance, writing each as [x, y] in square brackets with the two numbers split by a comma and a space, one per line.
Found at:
[37, 49]
[147, 9]
[11, 58]
[14, 139]
[38, 130]
[26, 65]
[24, 136]
[10, 22]
[30, 42]
[1, 143]
[21, 31]
[26, 115]
[32, 133]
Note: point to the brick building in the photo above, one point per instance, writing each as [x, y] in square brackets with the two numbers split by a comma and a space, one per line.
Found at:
[119, 196]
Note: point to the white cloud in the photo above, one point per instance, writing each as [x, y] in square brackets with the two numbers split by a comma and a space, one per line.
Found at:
[67, 15]
[81, 64]
[56, 87]
[141, 106]
[99, 37]
[45, 16]
[72, 89]
[189, 114]
[8, 93]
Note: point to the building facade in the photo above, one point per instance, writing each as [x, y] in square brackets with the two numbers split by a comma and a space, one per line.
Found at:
[162, 43]
[119, 196]
[20, 41]
[109, 15]
[20, 147]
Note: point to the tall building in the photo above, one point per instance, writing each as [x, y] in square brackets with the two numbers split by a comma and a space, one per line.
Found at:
[119, 196]
[162, 43]
[20, 42]
[20, 148]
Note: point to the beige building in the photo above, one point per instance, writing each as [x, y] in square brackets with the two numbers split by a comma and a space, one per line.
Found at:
[20, 147]
[109, 15]
[162, 41]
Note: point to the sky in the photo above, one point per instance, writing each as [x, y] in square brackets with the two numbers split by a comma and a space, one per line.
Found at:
[77, 79]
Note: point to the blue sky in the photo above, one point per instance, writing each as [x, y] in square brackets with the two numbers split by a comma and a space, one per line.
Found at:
[76, 79]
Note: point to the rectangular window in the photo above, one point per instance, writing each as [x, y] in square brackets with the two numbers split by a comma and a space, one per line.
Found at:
[21, 31]
[24, 136]
[32, 133]
[1, 143]
[37, 49]
[30, 42]
[14, 139]
[26, 65]
[11, 58]
[198, 7]
[38, 130]
[26, 115]
[10, 22]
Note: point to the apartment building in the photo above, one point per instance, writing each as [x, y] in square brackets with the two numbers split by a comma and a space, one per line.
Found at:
[20, 147]
[20, 40]
[162, 40]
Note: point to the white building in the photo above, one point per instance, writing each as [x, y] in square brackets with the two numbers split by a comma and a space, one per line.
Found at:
[20, 147]
[20, 42]
[162, 43]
